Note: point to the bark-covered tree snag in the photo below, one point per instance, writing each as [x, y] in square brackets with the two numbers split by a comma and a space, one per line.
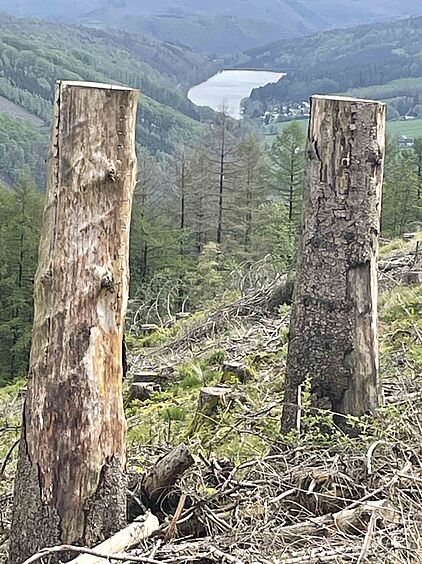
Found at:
[333, 328]
[70, 483]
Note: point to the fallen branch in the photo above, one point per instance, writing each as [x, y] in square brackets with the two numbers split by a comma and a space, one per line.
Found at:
[157, 482]
[349, 521]
[171, 531]
[91, 554]
[110, 549]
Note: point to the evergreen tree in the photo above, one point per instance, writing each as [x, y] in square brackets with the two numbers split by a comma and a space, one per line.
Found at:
[146, 225]
[251, 194]
[417, 149]
[288, 165]
[20, 224]
[223, 144]
[400, 201]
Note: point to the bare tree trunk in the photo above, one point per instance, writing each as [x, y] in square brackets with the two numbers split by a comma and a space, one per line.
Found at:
[70, 483]
[221, 183]
[333, 329]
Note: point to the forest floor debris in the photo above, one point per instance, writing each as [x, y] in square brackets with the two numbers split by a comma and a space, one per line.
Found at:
[251, 496]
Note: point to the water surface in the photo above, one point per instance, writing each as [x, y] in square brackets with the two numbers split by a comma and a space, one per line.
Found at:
[230, 87]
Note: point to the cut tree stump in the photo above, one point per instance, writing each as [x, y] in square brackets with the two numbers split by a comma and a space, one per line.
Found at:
[70, 485]
[145, 377]
[282, 293]
[333, 328]
[148, 328]
[142, 390]
[243, 373]
[162, 477]
[209, 400]
[412, 277]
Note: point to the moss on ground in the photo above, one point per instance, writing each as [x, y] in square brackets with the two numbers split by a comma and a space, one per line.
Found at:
[250, 424]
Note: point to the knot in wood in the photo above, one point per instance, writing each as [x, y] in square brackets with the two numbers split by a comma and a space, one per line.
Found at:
[46, 278]
[112, 173]
[105, 277]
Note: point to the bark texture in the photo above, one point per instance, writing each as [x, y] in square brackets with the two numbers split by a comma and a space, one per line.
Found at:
[70, 483]
[160, 479]
[333, 329]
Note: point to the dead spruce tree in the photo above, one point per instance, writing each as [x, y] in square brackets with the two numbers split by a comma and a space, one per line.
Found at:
[333, 328]
[70, 485]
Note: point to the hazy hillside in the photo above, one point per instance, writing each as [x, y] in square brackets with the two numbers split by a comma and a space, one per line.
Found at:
[217, 26]
[33, 55]
[383, 58]
[216, 35]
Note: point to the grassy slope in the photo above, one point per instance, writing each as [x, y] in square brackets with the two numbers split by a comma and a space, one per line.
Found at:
[171, 413]
[411, 128]
[168, 417]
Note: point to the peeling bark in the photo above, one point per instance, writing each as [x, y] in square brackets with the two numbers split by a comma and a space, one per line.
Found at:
[70, 485]
[333, 329]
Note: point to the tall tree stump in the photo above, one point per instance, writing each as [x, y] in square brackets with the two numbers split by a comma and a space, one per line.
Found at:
[70, 483]
[333, 328]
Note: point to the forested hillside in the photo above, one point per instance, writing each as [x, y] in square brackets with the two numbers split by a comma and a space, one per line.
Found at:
[383, 61]
[217, 27]
[210, 341]
[215, 219]
[33, 55]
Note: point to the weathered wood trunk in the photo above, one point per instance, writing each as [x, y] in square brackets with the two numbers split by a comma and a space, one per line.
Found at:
[70, 484]
[333, 329]
[159, 480]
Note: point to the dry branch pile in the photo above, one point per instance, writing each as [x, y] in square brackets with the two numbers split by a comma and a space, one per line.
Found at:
[294, 507]
[310, 499]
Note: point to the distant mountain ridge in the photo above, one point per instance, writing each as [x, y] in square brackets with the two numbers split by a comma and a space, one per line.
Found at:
[217, 26]
[382, 61]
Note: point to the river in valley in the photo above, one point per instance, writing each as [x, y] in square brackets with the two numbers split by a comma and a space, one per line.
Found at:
[230, 87]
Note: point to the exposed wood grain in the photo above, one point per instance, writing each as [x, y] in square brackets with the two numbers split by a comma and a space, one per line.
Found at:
[70, 484]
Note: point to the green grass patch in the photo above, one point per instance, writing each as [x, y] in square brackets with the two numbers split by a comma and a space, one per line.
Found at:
[394, 245]
[409, 128]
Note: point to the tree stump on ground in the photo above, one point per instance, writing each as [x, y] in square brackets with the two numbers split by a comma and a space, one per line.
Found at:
[209, 400]
[160, 479]
[142, 390]
[333, 328]
[70, 485]
[240, 371]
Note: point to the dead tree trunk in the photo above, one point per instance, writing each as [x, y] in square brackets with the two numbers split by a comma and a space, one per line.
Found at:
[333, 329]
[70, 482]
